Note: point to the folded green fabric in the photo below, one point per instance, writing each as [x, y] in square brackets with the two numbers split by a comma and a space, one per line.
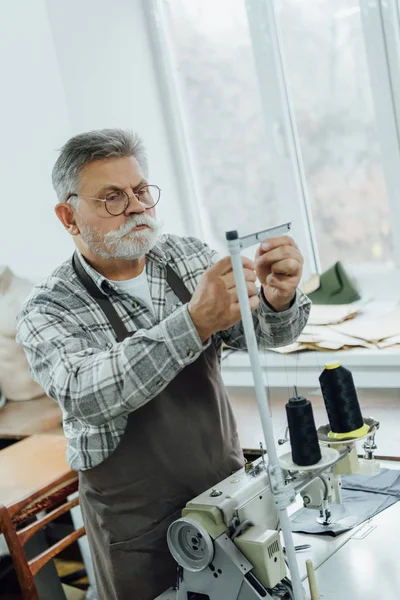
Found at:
[335, 287]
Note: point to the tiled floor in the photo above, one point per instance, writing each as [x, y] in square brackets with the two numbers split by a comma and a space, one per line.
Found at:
[383, 405]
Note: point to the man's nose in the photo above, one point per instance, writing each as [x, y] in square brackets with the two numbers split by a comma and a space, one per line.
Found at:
[134, 206]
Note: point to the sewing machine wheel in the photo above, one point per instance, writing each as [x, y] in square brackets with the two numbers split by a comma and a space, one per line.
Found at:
[190, 544]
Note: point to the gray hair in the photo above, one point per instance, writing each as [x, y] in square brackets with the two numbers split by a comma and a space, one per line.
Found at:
[88, 147]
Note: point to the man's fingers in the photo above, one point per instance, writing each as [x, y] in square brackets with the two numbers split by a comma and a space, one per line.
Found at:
[229, 278]
[247, 263]
[235, 308]
[278, 254]
[254, 302]
[252, 290]
[281, 240]
[288, 266]
[224, 265]
[280, 282]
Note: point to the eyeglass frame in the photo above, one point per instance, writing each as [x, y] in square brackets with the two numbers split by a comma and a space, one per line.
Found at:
[127, 197]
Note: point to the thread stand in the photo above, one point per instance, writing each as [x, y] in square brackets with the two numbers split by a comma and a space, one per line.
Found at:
[367, 465]
[369, 445]
[330, 456]
[284, 494]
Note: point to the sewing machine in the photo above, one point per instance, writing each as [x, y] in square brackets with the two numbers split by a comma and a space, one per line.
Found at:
[227, 543]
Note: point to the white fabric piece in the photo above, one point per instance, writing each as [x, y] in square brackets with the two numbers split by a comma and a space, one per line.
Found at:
[138, 288]
[15, 379]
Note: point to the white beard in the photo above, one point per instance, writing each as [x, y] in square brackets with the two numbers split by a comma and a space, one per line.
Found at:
[134, 245]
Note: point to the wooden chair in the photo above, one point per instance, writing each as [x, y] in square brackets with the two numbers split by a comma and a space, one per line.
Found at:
[28, 496]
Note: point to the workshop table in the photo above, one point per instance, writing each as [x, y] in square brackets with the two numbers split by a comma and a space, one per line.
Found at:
[361, 564]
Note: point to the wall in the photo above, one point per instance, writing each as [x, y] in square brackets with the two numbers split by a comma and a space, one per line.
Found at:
[69, 67]
[33, 123]
[104, 54]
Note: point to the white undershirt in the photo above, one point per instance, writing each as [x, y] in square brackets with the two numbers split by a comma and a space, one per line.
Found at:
[138, 287]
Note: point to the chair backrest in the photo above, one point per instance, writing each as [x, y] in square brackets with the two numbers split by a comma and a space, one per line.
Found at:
[22, 520]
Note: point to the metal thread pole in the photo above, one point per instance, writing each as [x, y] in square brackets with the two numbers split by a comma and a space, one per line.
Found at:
[262, 399]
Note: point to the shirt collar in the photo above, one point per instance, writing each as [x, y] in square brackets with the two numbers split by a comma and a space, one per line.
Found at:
[156, 254]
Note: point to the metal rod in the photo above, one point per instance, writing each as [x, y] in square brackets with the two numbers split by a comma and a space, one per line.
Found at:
[265, 234]
[234, 247]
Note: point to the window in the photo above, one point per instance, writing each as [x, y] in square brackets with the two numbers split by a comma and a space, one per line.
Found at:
[213, 57]
[328, 75]
[311, 146]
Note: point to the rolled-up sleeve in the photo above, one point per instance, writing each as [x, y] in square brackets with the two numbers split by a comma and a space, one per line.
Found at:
[273, 329]
[94, 384]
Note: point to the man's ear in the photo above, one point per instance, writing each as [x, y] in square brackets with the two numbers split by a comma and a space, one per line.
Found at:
[66, 214]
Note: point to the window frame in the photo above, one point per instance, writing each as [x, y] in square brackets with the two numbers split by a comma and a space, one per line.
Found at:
[382, 41]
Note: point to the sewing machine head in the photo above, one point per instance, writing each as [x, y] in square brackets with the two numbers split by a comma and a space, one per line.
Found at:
[227, 542]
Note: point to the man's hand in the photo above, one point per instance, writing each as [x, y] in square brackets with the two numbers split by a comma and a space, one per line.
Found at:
[214, 305]
[279, 265]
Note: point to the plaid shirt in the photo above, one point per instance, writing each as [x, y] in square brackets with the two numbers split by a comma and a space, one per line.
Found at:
[98, 382]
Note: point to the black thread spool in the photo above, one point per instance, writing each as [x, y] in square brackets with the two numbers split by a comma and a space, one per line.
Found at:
[341, 401]
[303, 433]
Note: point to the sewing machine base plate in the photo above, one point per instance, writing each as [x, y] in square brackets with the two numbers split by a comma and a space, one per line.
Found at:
[361, 564]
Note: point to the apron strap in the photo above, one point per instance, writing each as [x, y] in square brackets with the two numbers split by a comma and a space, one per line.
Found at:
[177, 286]
[121, 332]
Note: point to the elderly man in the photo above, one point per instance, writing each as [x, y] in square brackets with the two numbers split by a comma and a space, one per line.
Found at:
[125, 336]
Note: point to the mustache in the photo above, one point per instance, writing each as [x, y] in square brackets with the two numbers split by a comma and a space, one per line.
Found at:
[131, 223]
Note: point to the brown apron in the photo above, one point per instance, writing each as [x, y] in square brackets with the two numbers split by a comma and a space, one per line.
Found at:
[179, 444]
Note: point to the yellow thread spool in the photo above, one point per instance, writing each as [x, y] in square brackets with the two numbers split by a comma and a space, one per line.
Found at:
[357, 433]
[332, 365]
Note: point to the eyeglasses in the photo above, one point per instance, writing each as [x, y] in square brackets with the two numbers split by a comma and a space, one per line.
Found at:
[117, 202]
